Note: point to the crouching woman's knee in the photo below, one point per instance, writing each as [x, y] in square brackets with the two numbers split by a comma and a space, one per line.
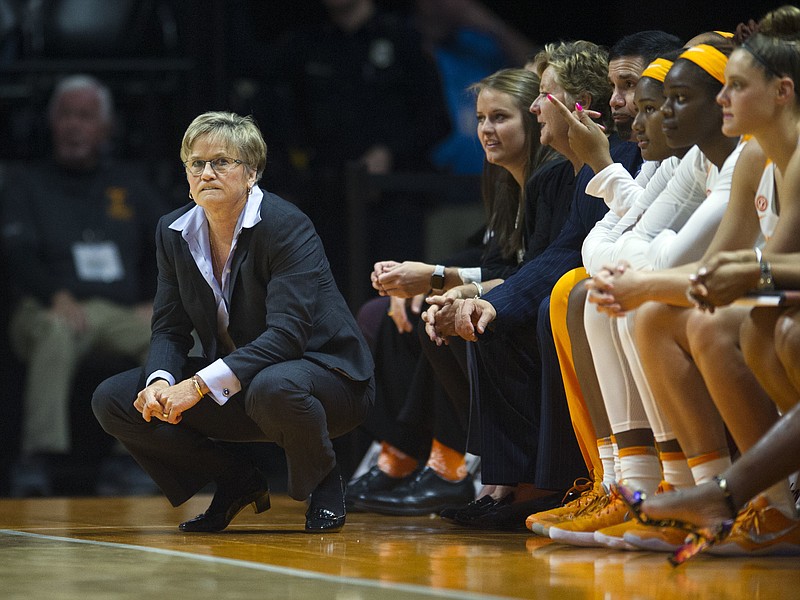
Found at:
[112, 401]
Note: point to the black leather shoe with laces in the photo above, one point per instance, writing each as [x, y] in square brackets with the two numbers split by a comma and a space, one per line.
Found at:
[372, 482]
[232, 495]
[423, 494]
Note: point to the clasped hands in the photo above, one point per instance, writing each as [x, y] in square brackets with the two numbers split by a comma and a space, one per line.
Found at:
[615, 290]
[721, 280]
[454, 313]
[401, 279]
[724, 278]
[166, 402]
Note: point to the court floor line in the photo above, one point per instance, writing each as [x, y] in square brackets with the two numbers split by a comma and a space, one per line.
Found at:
[287, 571]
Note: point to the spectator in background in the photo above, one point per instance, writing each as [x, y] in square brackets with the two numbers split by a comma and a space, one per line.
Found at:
[468, 42]
[359, 87]
[78, 237]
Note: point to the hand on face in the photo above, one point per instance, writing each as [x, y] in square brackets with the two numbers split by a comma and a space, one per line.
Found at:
[586, 138]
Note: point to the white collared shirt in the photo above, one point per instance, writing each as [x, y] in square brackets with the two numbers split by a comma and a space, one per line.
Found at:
[193, 226]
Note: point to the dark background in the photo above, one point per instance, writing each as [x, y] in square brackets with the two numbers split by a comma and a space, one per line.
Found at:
[168, 60]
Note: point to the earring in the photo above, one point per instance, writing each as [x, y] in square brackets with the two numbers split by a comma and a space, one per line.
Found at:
[190, 196]
[248, 190]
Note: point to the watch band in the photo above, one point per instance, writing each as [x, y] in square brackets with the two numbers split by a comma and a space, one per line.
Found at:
[437, 279]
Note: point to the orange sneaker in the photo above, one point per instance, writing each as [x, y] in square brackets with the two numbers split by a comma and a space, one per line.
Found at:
[590, 494]
[613, 537]
[580, 531]
[655, 539]
[760, 529]
[617, 536]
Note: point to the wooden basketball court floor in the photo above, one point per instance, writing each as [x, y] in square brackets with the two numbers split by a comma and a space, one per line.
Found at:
[92, 548]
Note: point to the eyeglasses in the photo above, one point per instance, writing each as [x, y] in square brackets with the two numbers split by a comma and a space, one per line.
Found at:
[220, 165]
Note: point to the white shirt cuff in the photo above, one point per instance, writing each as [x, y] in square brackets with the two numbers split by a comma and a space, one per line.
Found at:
[470, 274]
[221, 382]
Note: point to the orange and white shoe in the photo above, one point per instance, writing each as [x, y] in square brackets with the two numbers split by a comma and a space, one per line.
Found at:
[760, 529]
[612, 537]
[615, 536]
[590, 493]
[580, 531]
[655, 539]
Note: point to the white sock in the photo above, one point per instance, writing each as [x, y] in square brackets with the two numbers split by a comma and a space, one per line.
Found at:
[641, 469]
[705, 466]
[609, 459]
[676, 470]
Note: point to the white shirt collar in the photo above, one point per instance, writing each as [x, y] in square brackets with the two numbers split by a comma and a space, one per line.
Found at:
[191, 222]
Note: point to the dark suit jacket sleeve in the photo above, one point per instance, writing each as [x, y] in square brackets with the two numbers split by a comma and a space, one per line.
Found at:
[286, 252]
[171, 337]
[517, 299]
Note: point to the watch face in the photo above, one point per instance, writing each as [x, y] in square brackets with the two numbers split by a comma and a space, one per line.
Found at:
[437, 279]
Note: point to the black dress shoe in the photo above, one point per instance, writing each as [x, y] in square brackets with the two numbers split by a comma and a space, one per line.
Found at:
[371, 482]
[473, 510]
[326, 509]
[423, 494]
[507, 515]
[232, 495]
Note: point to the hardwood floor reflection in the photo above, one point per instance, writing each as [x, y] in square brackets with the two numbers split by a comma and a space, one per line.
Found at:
[82, 548]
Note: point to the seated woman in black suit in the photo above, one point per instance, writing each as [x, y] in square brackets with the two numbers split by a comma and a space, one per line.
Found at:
[422, 428]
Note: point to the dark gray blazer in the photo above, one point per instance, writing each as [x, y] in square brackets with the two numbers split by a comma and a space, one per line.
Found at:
[284, 305]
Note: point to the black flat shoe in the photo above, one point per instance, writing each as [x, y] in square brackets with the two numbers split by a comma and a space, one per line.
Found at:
[229, 500]
[326, 509]
[323, 520]
[507, 515]
[473, 510]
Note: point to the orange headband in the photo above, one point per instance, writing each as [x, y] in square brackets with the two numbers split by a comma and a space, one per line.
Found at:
[708, 58]
[657, 69]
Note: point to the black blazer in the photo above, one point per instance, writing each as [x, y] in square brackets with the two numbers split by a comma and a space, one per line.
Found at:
[284, 302]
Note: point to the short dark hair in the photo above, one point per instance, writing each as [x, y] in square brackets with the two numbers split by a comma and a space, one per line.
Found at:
[648, 44]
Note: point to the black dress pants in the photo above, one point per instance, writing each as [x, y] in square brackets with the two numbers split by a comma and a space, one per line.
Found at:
[297, 404]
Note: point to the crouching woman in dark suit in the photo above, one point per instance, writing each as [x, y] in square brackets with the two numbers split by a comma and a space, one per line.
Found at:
[282, 358]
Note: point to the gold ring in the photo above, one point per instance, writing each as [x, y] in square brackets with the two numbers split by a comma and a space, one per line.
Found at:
[390, 313]
[163, 414]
